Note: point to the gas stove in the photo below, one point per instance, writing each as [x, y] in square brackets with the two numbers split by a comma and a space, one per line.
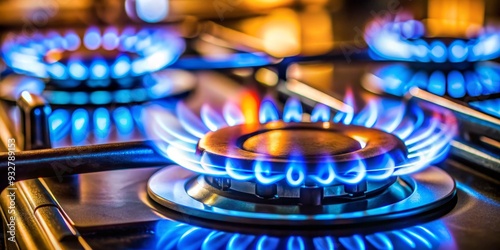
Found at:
[252, 132]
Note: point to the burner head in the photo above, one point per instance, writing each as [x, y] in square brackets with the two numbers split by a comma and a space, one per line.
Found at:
[310, 145]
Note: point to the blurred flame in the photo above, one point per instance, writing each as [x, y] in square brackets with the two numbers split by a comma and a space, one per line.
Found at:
[455, 17]
[53, 55]
[250, 106]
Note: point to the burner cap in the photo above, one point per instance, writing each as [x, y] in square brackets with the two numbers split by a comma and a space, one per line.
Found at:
[312, 144]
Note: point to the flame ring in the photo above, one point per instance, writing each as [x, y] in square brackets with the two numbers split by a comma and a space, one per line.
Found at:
[404, 41]
[142, 51]
[425, 129]
[398, 79]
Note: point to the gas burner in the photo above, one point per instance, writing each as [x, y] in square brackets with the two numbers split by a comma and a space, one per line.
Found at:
[96, 54]
[302, 170]
[397, 79]
[176, 235]
[405, 41]
[295, 148]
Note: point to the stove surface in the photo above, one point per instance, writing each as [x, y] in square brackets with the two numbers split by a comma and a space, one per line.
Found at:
[252, 125]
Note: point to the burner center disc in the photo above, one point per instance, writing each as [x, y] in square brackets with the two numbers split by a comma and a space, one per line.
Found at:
[313, 144]
[306, 142]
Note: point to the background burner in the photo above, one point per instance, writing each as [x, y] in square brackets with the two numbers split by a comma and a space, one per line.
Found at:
[405, 40]
[93, 54]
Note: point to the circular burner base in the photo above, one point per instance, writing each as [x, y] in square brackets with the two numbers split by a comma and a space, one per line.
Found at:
[181, 190]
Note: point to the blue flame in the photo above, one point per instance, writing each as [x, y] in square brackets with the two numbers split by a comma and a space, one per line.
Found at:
[404, 41]
[121, 67]
[235, 174]
[491, 107]
[233, 115]
[356, 173]
[152, 11]
[268, 112]
[458, 51]
[77, 69]
[80, 122]
[456, 84]
[190, 121]
[57, 70]
[397, 79]
[211, 118]
[99, 69]
[295, 175]
[177, 235]
[326, 174]
[59, 124]
[72, 41]
[155, 90]
[110, 39]
[293, 111]
[263, 173]
[92, 38]
[320, 113]
[426, 134]
[141, 52]
[437, 83]
[102, 123]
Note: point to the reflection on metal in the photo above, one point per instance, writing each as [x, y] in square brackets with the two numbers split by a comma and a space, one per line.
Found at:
[476, 154]
[177, 235]
[303, 89]
[424, 95]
